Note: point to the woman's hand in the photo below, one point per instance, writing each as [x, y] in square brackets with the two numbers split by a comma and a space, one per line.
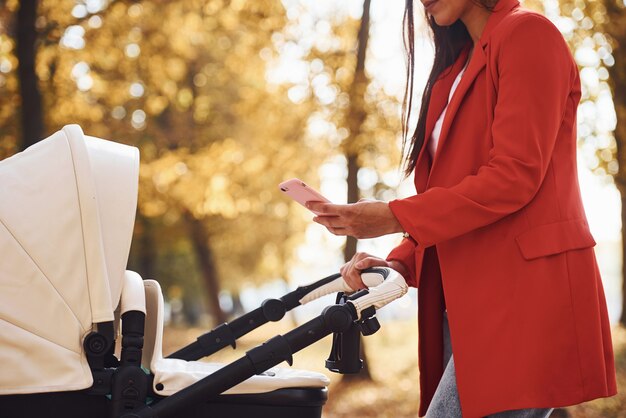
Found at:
[364, 219]
[351, 271]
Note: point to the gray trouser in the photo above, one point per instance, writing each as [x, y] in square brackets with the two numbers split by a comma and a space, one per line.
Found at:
[445, 402]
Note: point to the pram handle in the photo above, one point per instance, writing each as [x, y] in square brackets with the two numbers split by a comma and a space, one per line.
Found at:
[393, 287]
[272, 310]
[333, 284]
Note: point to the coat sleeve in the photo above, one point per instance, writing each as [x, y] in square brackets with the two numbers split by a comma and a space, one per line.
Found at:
[404, 253]
[535, 79]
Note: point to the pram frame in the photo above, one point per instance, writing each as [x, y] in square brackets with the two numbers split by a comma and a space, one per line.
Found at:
[334, 318]
[129, 386]
[271, 310]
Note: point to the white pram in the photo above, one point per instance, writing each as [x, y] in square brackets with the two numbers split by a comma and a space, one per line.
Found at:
[67, 207]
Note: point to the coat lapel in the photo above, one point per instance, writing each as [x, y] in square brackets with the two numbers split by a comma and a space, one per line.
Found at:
[476, 64]
[438, 101]
[442, 86]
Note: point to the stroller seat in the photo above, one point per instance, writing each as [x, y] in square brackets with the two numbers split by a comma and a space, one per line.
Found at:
[172, 375]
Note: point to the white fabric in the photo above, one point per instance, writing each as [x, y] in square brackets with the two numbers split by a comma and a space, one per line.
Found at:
[133, 294]
[391, 289]
[115, 169]
[434, 140]
[340, 285]
[176, 374]
[54, 278]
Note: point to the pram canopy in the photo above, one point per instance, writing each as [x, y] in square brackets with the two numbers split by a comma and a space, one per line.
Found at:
[67, 208]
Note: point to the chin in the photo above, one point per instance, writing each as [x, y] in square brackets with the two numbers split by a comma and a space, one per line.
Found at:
[443, 20]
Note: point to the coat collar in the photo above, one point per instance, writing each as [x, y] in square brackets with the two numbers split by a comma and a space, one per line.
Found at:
[500, 10]
[443, 85]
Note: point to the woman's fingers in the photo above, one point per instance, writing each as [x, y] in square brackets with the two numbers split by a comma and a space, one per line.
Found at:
[368, 262]
[371, 262]
[334, 224]
[329, 221]
[365, 263]
[351, 271]
[342, 269]
[349, 275]
[326, 209]
[364, 219]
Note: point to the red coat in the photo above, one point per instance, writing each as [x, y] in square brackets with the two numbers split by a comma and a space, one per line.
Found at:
[498, 227]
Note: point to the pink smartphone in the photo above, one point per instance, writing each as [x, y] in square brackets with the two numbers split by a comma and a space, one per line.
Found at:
[301, 193]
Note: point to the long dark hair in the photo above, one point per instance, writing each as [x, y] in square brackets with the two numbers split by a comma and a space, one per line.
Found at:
[449, 41]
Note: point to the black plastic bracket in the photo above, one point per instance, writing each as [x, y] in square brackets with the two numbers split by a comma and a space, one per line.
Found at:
[357, 294]
[98, 345]
[129, 385]
[369, 323]
[217, 338]
[273, 309]
[264, 356]
[337, 318]
[101, 382]
[129, 390]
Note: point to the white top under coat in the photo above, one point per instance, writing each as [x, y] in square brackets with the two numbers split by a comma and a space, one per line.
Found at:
[434, 142]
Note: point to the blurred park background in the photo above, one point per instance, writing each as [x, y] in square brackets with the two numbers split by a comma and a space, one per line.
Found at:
[226, 99]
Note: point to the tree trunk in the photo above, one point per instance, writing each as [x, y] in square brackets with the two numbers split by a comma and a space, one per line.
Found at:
[354, 120]
[355, 117]
[616, 14]
[206, 262]
[353, 196]
[26, 51]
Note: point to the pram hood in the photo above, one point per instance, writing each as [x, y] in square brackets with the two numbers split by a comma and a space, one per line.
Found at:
[67, 209]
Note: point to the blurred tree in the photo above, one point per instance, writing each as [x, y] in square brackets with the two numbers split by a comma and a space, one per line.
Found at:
[186, 82]
[10, 129]
[32, 120]
[614, 24]
[355, 117]
[359, 121]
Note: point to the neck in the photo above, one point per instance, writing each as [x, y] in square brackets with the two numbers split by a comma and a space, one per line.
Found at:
[475, 19]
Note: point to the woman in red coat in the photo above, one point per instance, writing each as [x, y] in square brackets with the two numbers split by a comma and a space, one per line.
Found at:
[496, 238]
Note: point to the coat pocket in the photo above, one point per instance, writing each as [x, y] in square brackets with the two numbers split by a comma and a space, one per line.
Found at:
[554, 238]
